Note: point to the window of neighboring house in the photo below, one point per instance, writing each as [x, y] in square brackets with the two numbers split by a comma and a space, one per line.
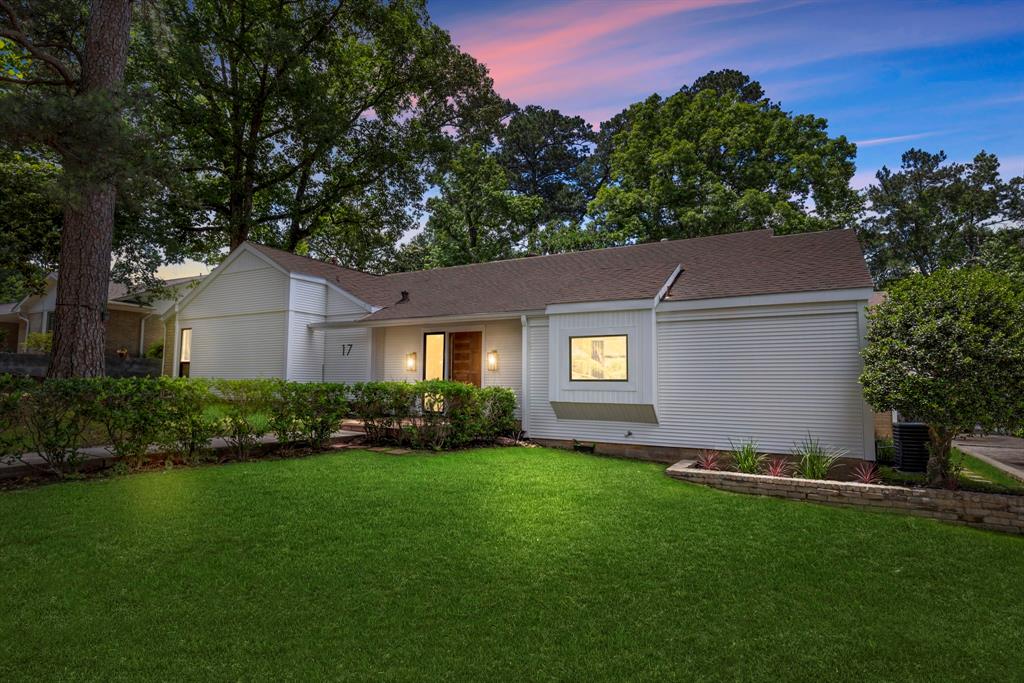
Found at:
[599, 359]
[185, 357]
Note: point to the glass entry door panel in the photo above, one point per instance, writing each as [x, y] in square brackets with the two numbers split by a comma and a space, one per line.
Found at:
[433, 355]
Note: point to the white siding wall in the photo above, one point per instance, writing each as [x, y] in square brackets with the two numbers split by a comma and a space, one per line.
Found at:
[770, 375]
[239, 321]
[353, 366]
[307, 302]
[238, 347]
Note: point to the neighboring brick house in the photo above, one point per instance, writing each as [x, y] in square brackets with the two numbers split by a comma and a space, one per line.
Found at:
[133, 319]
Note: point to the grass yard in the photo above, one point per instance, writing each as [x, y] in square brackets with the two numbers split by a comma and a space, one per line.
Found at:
[490, 564]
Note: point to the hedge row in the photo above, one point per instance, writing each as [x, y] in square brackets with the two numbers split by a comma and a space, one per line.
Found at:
[56, 418]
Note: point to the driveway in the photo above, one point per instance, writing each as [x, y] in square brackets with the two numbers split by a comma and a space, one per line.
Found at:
[1004, 452]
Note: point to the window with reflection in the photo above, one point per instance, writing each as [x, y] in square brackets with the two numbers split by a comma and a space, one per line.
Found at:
[599, 358]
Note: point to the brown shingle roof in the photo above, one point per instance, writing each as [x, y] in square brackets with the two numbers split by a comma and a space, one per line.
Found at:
[738, 264]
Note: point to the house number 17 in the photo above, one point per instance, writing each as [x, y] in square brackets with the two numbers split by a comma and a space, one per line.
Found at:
[346, 349]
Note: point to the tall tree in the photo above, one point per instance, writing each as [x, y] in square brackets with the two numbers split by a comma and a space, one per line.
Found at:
[69, 97]
[543, 153]
[716, 157]
[476, 217]
[311, 120]
[30, 220]
[932, 213]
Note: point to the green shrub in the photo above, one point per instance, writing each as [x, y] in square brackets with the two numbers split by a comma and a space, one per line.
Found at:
[190, 419]
[132, 412]
[498, 405]
[445, 414]
[885, 451]
[816, 461]
[307, 412]
[245, 408]
[53, 416]
[12, 436]
[383, 407]
[155, 350]
[38, 342]
[747, 458]
[433, 414]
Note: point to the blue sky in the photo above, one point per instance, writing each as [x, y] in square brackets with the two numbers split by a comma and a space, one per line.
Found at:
[889, 75]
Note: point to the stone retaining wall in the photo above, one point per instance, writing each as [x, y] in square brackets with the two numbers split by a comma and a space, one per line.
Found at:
[996, 512]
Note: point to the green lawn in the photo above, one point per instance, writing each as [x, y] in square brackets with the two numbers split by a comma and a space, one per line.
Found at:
[490, 564]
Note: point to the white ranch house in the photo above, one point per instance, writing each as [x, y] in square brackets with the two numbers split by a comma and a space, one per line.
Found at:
[682, 344]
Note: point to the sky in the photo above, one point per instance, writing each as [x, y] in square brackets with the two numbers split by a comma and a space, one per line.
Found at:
[889, 75]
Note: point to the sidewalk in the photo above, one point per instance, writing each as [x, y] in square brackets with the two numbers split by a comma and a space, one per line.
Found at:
[96, 457]
[1003, 452]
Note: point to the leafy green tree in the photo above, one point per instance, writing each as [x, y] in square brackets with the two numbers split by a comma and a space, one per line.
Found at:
[708, 160]
[65, 93]
[308, 120]
[1004, 251]
[933, 214]
[948, 350]
[543, 152]
[475, 218]
[30, 219]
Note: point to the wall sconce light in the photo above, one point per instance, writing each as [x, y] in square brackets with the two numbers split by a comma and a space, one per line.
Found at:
[410, 362]
[492, 360]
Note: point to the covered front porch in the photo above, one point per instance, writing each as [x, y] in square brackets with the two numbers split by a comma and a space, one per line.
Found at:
[482, 352]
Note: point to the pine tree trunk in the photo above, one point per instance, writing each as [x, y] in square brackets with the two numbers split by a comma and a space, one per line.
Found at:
[87, 235]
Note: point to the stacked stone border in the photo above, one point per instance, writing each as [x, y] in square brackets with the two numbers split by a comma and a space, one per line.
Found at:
[992, 511]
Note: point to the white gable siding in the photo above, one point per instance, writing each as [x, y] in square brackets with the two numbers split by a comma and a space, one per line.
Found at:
[766, 375]
[342, 307]
[239, 321]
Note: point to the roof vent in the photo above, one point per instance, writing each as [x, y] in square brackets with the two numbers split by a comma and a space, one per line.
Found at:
[405, 297]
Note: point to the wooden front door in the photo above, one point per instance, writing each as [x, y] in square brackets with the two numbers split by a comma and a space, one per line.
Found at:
[467, 356]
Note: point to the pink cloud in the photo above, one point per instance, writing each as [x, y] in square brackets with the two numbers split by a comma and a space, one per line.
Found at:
[531, 53]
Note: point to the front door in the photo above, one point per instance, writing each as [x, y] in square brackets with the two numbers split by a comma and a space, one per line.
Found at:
[467, 356]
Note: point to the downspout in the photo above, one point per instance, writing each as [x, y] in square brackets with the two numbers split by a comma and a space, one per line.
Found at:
[524, 392]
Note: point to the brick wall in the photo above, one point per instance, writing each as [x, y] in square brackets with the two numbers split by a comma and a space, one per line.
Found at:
[10, 332]
[992, 511]
[123, 331]
[883, 425]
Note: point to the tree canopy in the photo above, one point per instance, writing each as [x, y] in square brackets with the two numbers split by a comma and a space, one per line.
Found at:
[948, 349]
[309, 120]
[475, 218]
[31, 212]
[706, 162]
[932, 213]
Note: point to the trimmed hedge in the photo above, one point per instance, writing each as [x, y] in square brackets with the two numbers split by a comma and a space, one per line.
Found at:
[180, 416]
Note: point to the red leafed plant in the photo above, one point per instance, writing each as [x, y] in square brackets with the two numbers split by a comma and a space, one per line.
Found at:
[777, 467]
[866, 473]
[709, 460]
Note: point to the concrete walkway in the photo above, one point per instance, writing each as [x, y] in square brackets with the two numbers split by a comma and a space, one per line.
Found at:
[1003, 452]
[99, 456]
